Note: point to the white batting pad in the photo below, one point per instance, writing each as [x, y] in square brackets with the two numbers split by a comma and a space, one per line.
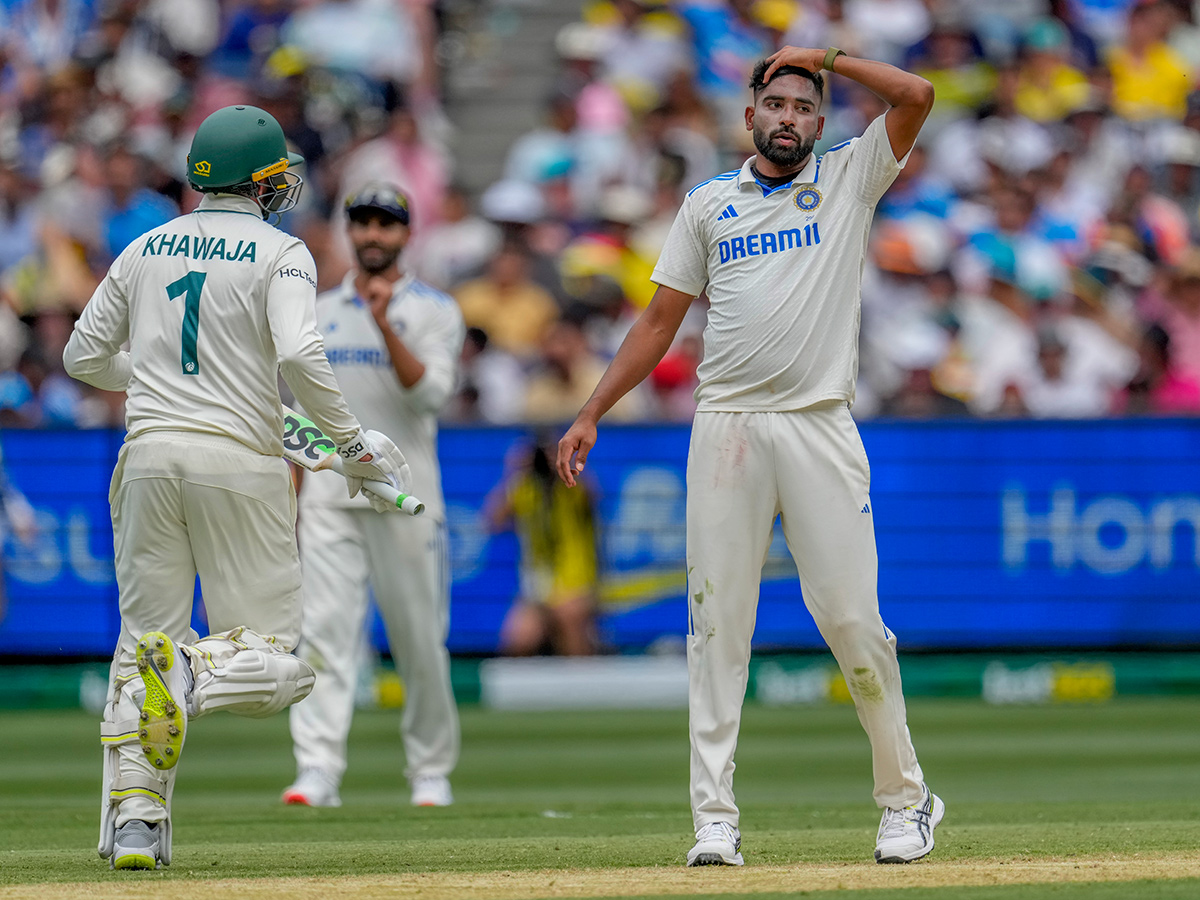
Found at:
[246, 674]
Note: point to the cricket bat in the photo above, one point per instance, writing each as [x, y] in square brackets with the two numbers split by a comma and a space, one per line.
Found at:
[307, 446]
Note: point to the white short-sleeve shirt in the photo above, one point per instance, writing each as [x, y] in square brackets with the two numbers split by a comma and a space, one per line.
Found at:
[782, 267]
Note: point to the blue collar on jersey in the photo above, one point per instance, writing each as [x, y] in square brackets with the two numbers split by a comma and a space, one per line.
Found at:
[806, 175]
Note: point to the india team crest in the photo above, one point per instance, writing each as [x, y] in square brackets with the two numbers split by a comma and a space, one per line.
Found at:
[807, 198]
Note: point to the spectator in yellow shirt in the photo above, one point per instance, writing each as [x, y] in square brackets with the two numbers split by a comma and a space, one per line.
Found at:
[951, 59]
[1150, 80]
[505, 303]
[606, 249]
[1048, 87]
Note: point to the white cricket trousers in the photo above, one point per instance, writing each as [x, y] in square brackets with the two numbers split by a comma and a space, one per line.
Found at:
[808, 467]
[405, 560]
[187, 504]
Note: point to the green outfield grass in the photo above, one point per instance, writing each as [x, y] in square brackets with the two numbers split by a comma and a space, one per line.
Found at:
[593, 790]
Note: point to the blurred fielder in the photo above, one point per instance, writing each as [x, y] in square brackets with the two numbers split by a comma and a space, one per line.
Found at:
[779, 247]
[214, 305]
[394, 343]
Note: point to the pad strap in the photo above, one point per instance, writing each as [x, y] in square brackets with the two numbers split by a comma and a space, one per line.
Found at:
[113, 734]
[136, 784]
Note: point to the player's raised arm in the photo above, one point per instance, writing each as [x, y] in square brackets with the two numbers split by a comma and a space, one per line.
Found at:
[409, 368]
[910, 96]
[647, 342]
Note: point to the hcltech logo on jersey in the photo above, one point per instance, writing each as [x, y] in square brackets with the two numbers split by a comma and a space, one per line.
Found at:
[293, 272]
[193, 247]
[769, 242]
[807, 198]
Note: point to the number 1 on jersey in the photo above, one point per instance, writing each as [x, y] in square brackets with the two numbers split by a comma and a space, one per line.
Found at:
[190, 285]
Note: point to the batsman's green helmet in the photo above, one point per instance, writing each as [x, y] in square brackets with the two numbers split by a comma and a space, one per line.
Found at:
[244, 145]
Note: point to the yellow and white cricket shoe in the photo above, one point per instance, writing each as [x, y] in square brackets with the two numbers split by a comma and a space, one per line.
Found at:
[136, 846]
[907, 834]
[167, 677]
[717, 844]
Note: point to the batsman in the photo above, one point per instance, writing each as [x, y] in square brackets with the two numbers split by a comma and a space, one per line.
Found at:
[213, 306]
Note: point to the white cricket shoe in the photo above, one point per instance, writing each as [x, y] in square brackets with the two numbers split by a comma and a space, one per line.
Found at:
[431, 790]
[313, 787]
[717, 844]
[135, 846]
[907, 834]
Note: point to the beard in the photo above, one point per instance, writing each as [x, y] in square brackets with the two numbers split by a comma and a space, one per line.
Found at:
[786, 157]
[374, 258]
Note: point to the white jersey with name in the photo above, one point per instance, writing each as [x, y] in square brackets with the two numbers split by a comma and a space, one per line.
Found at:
[783, 268]
[213, 304]
[431, 327]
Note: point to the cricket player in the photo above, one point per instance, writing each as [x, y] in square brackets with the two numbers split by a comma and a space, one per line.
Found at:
[213, 306]
[394, 343]
[779, 245]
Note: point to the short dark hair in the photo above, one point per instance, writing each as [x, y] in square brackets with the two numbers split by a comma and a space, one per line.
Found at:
[760, 69]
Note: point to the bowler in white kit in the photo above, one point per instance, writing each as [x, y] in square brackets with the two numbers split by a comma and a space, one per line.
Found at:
[213, 306]
[779, 245]
[394, 343]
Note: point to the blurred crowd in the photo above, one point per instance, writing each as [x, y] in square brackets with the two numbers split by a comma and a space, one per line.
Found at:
[1038, 255]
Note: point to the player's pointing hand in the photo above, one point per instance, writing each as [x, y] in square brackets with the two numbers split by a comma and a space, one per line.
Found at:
[804, 57]
[573, 449]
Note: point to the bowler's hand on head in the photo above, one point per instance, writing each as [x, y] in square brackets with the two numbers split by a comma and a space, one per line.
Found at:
[804, 57]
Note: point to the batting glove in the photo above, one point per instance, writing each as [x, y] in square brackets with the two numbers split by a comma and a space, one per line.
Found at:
[363, 460]
[401, 477]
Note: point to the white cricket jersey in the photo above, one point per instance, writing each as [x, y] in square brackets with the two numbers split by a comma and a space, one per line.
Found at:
[213, 305]
[431, 327]
[782, 268]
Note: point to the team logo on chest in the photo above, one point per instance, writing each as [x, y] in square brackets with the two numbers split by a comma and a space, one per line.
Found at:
[807, 198]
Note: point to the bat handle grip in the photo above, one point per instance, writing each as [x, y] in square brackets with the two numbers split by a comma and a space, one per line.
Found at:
[406, 503]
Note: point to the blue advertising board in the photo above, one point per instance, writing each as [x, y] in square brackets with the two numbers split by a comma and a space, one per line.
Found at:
[990, 534]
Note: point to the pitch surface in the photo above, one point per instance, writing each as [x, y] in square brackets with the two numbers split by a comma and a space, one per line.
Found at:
[1068, 801]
